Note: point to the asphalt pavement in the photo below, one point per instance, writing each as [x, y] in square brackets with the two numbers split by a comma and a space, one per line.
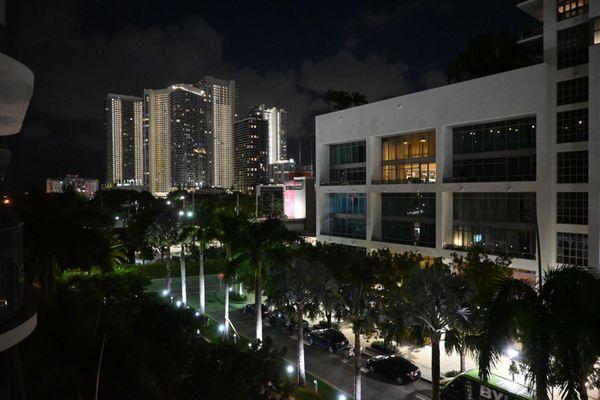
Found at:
[332, 368]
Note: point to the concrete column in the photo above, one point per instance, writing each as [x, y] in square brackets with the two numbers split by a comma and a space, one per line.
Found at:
[594, 157]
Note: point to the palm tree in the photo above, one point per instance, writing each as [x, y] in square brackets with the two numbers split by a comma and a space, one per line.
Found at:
[357, 275]
[230, 230]
[554, 325]
[204, 220]
[262, 237]
[161, 234]
[296, 286]
[430, 301]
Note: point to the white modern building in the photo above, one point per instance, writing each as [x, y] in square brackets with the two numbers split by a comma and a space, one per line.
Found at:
[124, 140]
[175, 132]
[221, 112]
[277, 132]
[477, 162]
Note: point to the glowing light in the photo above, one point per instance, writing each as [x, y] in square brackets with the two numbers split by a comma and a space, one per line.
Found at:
[290, 369]
[190, 214]
[182, 198]
[197, 313]
[178, 303]
[168, 202]
[165, 292]
[342, 397]
[511, 353]
[221, 328]
[181, 213]
[116, 218]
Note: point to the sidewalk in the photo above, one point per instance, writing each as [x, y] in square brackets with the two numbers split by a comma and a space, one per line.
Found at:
[420, 356]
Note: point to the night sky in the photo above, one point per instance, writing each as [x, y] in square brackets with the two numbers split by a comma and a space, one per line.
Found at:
[284, 53]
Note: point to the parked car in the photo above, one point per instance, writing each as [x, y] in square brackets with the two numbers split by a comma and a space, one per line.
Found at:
[283, 319]
[395, 368]
[250, 309]
[330, 339]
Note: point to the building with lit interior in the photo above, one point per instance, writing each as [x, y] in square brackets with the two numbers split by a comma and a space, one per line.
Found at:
[250, 149]
[124, 140]
[176, 134]
[221, 112]
[86, 186]
[481, 162]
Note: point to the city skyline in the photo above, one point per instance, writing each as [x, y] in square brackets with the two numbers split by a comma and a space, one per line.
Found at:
[64, 130]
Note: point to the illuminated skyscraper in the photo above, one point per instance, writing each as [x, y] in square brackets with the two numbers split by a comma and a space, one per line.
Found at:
[176, 135]
[250, 150]
[124, 140]
[221, 111]
[277, 132]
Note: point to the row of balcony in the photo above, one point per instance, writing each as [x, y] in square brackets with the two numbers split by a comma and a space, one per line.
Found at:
[451, 179]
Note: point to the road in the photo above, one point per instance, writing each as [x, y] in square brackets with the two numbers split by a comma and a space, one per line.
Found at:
[333, 368]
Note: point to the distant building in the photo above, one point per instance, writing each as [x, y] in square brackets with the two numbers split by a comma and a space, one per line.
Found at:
[278, 170]
[221, 111]
[277, 131]
[124, 140]
[250, 152]
[269, 200]
[299, 204]
[87, 186]
[176, 136]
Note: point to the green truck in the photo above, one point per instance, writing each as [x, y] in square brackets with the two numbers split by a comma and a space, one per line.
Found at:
[468, 386]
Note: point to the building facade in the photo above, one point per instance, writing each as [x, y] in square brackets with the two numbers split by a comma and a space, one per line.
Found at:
[221, 112]
[277, 131]
[124, 140]
[494, 161]
[250, 138]
[85, 186]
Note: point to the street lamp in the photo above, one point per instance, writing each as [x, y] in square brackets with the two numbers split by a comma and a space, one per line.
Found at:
[165, 292]
[168, 202]
[342, 397]
[512, 353]
[289, 369]
[189, 214]
[181, 213]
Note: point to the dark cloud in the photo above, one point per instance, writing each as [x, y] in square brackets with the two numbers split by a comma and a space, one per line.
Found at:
[80, 51]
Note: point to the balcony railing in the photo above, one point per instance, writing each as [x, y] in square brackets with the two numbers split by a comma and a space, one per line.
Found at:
[511, 254]
[352, 235]
[400, 181]
[343, 183]
[468, 179]
[409, 242]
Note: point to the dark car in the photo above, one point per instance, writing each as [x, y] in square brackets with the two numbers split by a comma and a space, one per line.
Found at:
[396, 368]
[330, 339]
[250, 309]
[281, 318]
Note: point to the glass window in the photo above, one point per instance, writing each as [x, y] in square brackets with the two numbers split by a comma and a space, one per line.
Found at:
[572, 46]
[572, 208]
[572, 167]
[495, 136]
[570, 8]
[494, 207]
[572, 126]
[572, 248]
[572, 91]
[496, 240]
[401, 158]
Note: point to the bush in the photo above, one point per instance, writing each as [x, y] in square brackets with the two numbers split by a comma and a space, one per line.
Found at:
[451, 374]
[381, 347]
[236, 297]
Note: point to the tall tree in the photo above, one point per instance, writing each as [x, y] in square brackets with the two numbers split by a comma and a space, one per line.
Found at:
[432, 299]
[263, 237]
[296, 286]
[340, 100]
[487, 55]
[553, 325]
[357, 275]
[231, 230]
[161, 234]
